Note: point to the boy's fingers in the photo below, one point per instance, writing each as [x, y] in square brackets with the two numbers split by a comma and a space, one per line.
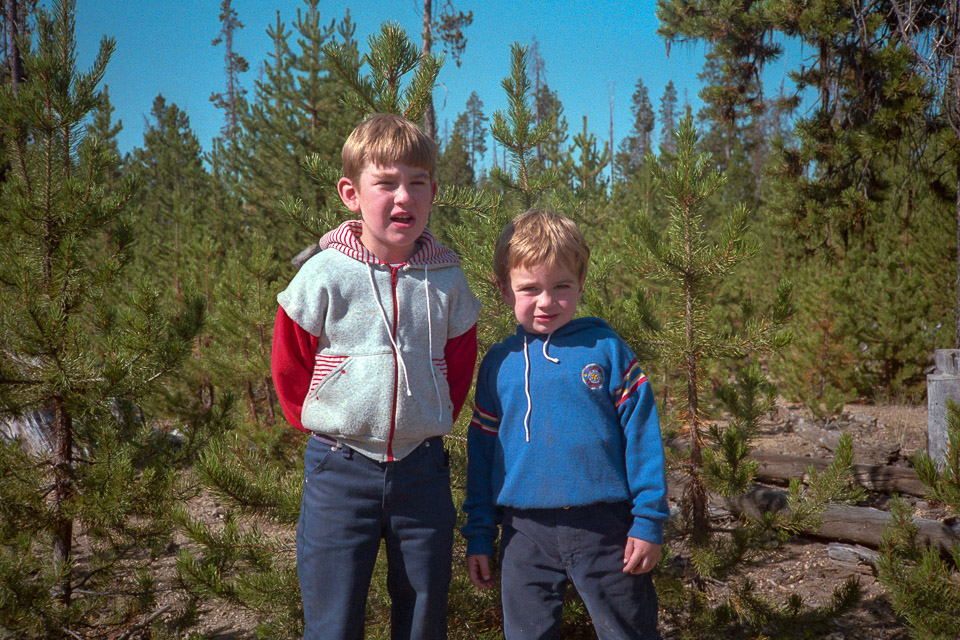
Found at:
[478, 569]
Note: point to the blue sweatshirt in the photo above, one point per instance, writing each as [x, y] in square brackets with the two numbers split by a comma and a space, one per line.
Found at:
[562, 420]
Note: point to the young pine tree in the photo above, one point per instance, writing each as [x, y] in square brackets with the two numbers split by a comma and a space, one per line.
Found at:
[690, 264]
[293, 113]
[79, 346]
[923, 585]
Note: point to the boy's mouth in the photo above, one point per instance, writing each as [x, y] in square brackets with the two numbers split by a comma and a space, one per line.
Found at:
[402, 218]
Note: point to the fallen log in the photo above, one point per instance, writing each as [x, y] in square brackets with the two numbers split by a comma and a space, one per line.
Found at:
[820, 437]
[852, 554]
[777, 467]
[858, 525]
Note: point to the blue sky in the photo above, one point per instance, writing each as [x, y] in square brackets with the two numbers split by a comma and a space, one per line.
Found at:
[590, 48]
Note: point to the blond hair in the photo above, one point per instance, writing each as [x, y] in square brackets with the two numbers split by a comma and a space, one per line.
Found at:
[540, 237]
[384, 139]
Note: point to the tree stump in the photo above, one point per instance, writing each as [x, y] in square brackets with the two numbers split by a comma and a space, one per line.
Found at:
[942, 385]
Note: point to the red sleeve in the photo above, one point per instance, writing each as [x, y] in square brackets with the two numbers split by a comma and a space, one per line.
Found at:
[291, 363]
[461, 356]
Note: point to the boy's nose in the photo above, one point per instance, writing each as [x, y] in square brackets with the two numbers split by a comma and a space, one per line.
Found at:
[546, 299]
[402, 194]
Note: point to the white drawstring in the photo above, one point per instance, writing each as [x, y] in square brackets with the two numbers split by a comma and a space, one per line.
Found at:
[386, 324]
[433, 372]
[526, 388]
[545, 354]
[526, 379]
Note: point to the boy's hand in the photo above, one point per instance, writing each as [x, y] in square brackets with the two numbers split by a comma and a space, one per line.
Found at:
[478, 568]
[639, 556]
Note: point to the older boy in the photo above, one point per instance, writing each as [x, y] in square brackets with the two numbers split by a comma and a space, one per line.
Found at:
[564, 448]
[373, 354]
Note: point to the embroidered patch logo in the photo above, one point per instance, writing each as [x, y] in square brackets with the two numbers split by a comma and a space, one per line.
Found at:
[592, 376]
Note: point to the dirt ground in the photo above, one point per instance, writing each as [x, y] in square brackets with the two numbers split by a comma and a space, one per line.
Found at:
[887, 434]
[882, 434]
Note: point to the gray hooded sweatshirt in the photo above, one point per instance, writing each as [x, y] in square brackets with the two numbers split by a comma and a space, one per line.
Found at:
[379, 383]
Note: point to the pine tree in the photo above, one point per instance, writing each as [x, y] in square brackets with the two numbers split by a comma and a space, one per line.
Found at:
[294, 113]
[173, 217]
[668, 110]
[690, 263]
[515, 132]
[174, 190]
[932, 34]
[836, 187]
[922, 584]
[739, 48]
[589, 186]
[231, 100]
[79, 346]
[635, 191]
[551, 152]
[476, 130]
[453, 170]
[104, 131]
[449, 26]
[637, 145]
[454, 165]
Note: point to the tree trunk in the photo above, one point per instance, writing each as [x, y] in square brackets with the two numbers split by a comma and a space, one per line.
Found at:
[860, 525]
[271, 414]
[251, 396]
[612, 163]
[429, 117]
[888, 479]
[696, 490]
[13, 51]
[231, 72]
[63, 492]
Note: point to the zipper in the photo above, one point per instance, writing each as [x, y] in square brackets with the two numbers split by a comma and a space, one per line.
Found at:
[396, 364]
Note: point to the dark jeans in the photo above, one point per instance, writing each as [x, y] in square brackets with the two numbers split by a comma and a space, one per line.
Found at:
[350, 503]
[544, 549]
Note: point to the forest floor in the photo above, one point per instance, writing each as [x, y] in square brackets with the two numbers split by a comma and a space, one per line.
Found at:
[882, 434]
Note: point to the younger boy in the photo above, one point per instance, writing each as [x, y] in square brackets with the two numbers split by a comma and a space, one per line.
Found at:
[564, 449]
[373, 354]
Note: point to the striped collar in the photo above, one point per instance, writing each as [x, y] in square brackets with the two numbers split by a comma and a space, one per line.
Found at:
[346, 240]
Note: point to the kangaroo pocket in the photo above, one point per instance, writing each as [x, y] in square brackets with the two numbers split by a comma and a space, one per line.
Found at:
[427, 411]
[351, 396]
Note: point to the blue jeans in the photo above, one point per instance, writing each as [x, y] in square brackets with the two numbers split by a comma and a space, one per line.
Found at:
[350, 503]
[544, 549]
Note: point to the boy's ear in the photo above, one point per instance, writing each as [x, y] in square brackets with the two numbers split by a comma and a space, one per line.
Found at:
[504, 290]
[434, 196]
[349, 194]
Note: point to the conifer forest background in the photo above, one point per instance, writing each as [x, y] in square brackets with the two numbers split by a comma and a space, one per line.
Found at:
[758, 257]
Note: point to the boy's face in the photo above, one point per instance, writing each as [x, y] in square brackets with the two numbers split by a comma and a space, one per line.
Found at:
[394, 203]
[543, 297]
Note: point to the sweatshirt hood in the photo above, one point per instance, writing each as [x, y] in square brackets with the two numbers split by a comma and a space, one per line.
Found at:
[575, 326]
[346, 240]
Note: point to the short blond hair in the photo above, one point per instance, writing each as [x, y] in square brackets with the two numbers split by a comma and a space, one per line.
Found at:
[384, 139]
[540, 237]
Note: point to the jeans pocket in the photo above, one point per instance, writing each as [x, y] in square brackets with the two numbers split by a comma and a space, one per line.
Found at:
[442, 456]
[315, 458]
